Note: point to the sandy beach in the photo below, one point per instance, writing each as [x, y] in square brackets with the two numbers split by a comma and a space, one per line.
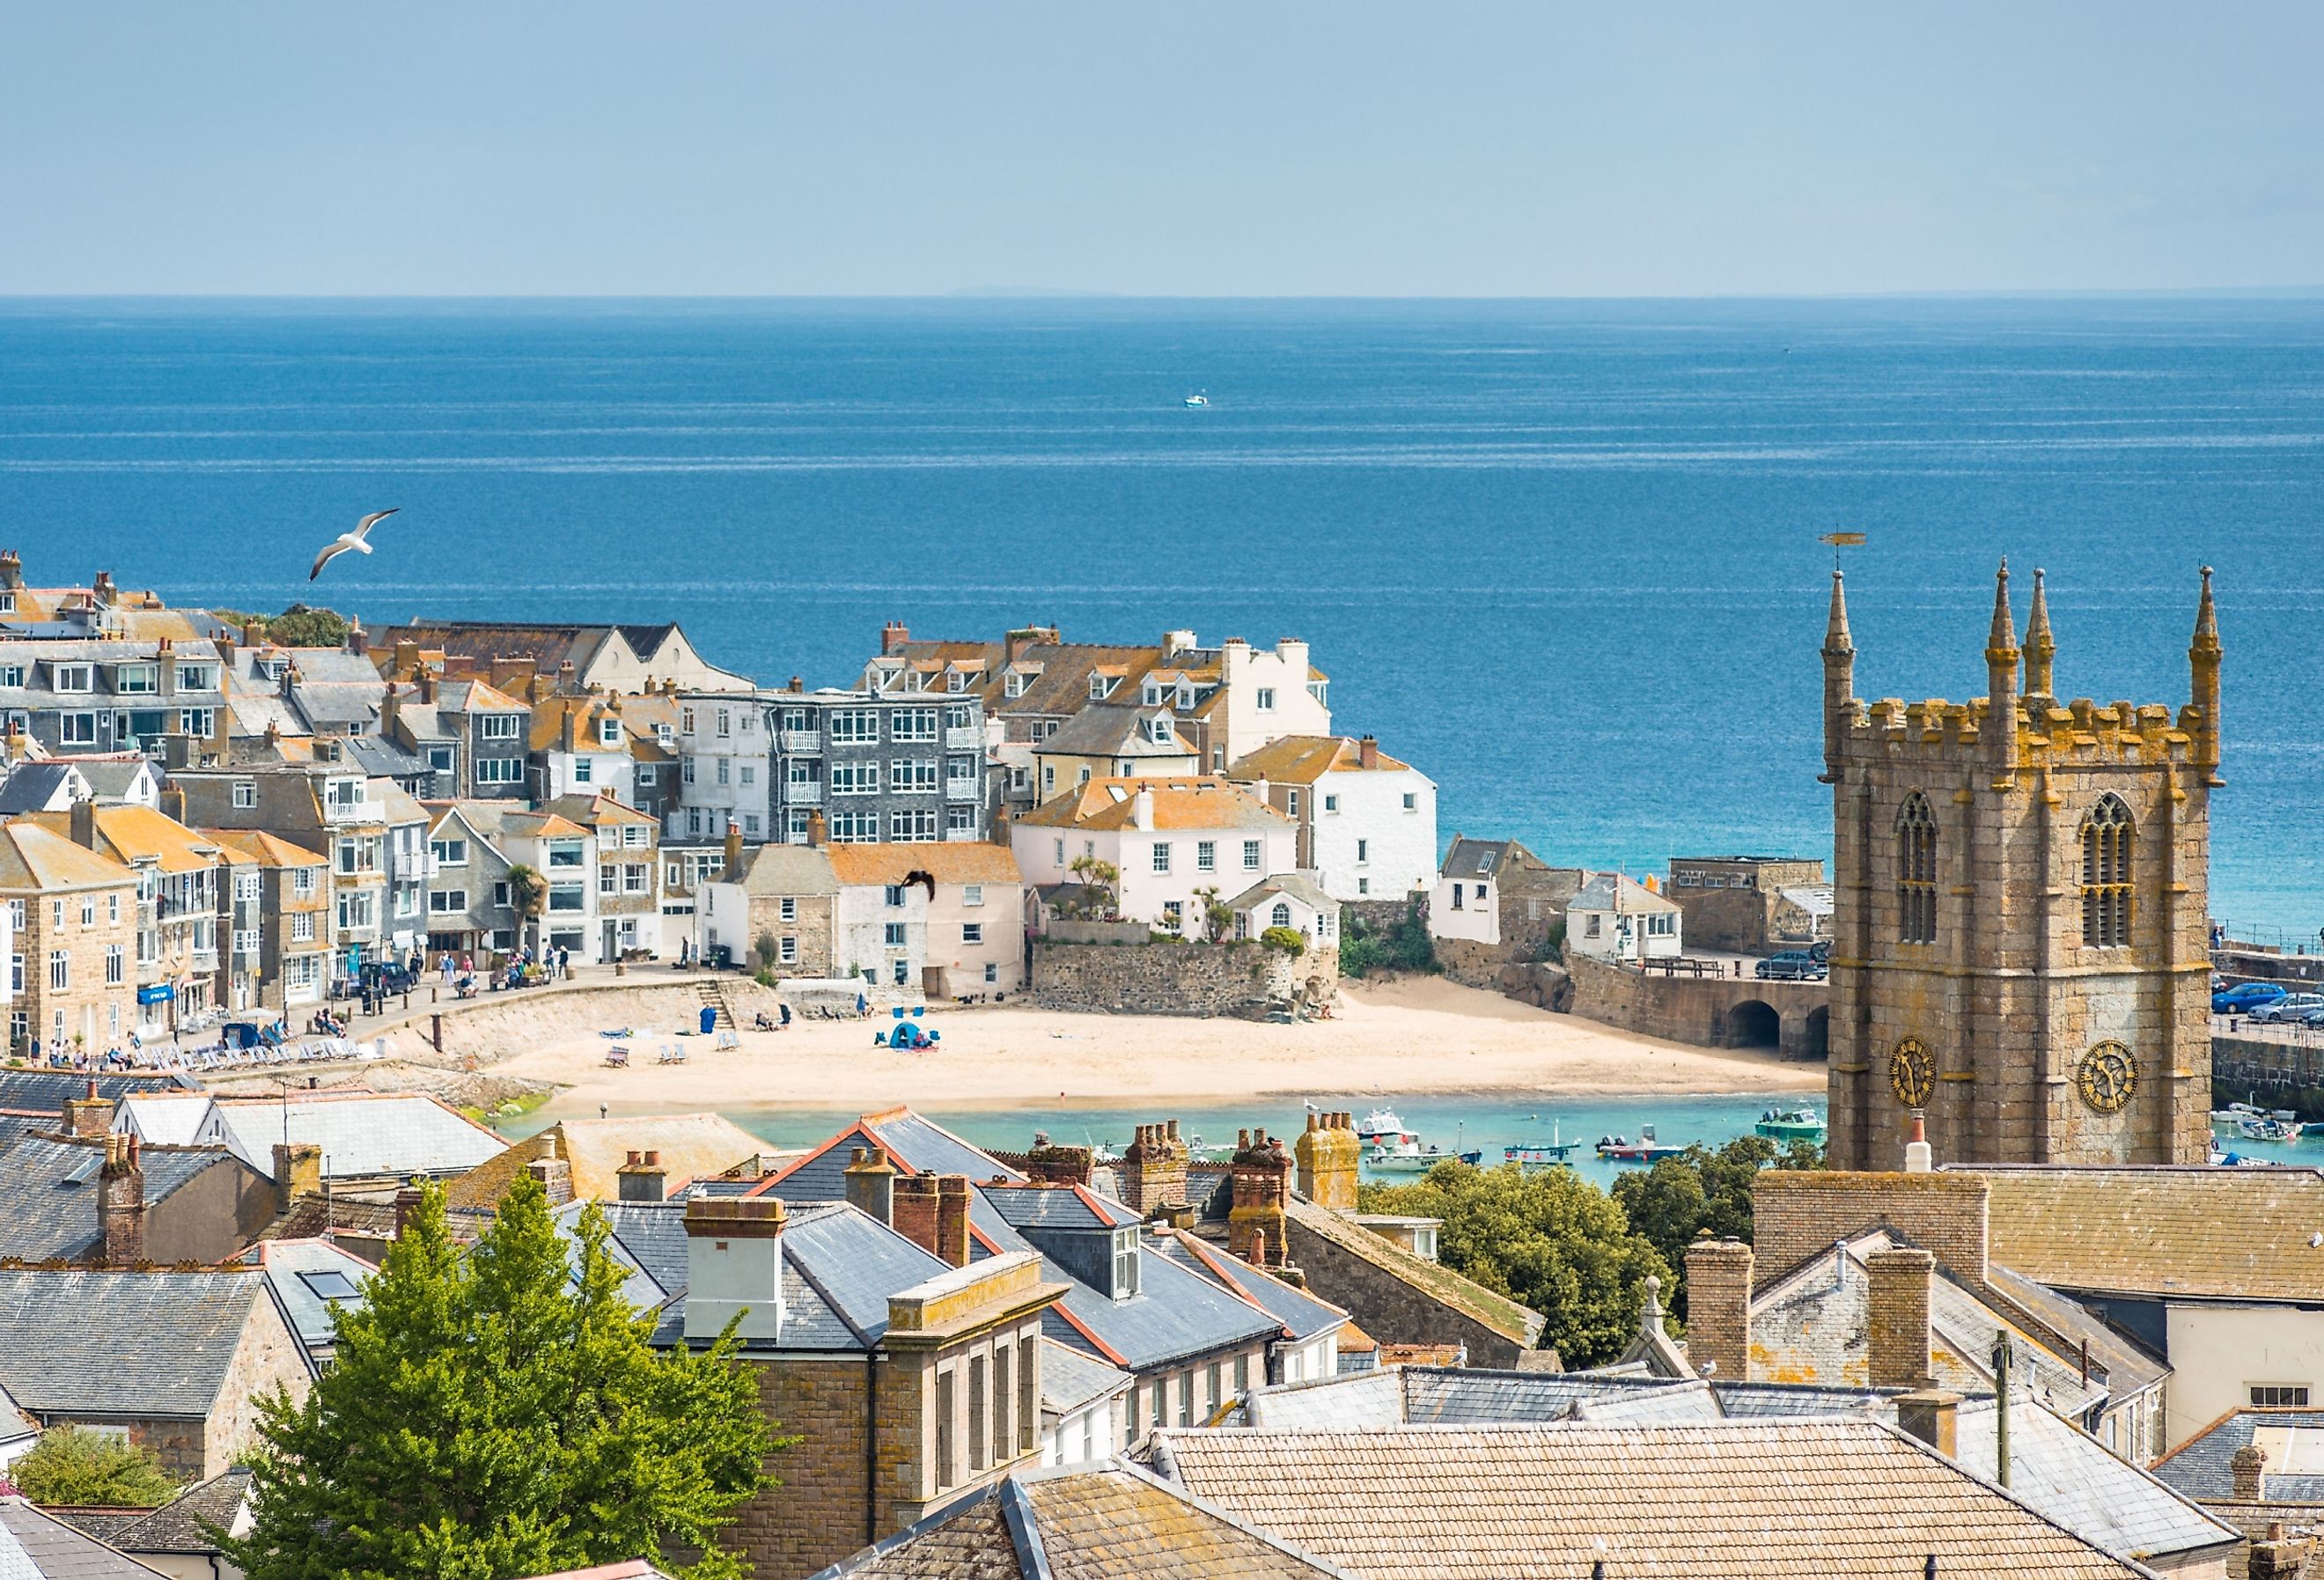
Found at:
[1412, 1037]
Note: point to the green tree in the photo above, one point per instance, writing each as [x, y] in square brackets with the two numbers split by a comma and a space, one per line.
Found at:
[498, 1413]
[1101, 879]
[1703, 1189]
[296, 626]
[1550, 1239]
[1406, 946]
[70, 1467]
[1284, 940]
[1217, 915]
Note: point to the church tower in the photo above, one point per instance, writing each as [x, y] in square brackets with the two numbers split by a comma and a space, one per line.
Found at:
[2019, 946]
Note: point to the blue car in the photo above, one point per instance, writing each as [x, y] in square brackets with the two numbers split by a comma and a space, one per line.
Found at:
[2245, 997]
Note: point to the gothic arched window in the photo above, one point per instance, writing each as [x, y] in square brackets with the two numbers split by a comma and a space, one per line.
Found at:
[2106, 874]
[1916, 872]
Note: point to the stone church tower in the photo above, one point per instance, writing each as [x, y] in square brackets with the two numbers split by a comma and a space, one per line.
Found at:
[2019, 946]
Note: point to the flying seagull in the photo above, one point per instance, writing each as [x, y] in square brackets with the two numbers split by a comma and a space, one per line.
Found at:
[356, 541]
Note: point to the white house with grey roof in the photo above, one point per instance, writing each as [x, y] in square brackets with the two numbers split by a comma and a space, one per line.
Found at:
[1617, 919]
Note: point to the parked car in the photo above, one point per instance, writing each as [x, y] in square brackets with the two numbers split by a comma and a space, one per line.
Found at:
[2292, 1006]
[1821, 951]
[2313, 1020]
[2245, 997]
[1791, 966]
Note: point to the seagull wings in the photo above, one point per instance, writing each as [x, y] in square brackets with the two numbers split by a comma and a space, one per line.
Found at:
[363, 527]
[347, 540]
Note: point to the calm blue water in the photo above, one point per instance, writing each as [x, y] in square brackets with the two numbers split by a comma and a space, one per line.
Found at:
[1561, 555]
[1454, 1123]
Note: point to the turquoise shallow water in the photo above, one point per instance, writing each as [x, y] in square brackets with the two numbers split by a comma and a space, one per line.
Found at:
[1561, 555]
[1489, 1124]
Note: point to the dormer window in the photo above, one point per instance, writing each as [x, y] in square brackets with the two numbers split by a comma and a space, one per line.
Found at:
[609, 732]
[73, 677]
[1125, 1262]
[1153, 693]
[955, 681]
[1160, 732]
[196, 677]
[1014, 686]
[133, 680]
[1098, 687]
[1185, 695]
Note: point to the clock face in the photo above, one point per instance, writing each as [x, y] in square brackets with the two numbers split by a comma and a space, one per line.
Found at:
[1913, 1073]
[2107, 1077]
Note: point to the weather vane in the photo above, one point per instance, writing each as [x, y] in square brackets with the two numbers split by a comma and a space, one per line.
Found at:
[1839, 541]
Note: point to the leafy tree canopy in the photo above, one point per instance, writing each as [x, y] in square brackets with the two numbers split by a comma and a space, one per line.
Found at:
[1703, 1189]
[498, 1413]
[71, 1467]
[297, 626]
[1549, 1240]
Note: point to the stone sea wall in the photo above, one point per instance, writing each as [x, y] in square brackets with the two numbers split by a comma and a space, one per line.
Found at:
[1243, 979]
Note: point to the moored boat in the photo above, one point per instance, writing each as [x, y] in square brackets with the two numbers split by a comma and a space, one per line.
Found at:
[1616, 1148]
[1791, 1124]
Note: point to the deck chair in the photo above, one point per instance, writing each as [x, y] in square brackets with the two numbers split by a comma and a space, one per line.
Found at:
[618, 1056]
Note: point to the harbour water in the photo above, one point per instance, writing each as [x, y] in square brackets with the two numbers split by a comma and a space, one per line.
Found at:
[1562, 555]
[1452, 1122]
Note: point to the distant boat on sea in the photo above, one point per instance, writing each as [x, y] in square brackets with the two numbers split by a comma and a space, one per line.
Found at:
[1198, 400]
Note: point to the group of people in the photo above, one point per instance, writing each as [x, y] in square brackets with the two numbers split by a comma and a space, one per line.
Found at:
[323, 1023]
[525, 968]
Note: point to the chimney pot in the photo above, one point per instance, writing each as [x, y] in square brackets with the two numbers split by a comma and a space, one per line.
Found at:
[2247, 1472]
[1933, 1415]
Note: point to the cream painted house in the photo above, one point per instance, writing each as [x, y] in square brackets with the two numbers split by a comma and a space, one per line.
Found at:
[1617, 919]
[1367, 822]
[945, 918]
[1170, 840]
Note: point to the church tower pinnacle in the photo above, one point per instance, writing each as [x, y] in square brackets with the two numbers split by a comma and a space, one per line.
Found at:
[2001, 681]
[2041, 648]
[1839, 676]
[2203, 660]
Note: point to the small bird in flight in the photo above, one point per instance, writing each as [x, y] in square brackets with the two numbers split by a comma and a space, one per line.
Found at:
[356, 541]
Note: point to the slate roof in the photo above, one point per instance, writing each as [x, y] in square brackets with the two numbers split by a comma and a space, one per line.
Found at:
[2070, 1478]
[2199, 1468]
[366, 1133]
[176, 1526]
[1174, 1315]
[1302, 1315]
[48, 1192]
[1071, 1378]
[35, 786]
[2237, 1233]
[649, 1241]
[1057, 1207]
[787, 869]
[1113, 729]
[46, 1091]
[1611, 892]
[1832, 1496]
[78, 1343]
[1076, 1523]
[37, 1545]
[306, 1276]
[840, 1266]
[1811, 1326]
[1298, 886]
[171, 1119]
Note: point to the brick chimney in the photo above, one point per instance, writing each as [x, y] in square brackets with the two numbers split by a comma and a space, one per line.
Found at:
[102, 592]
[1898, 1328]
[1327, 1152]
[1718, 1309]
[1368, 751]
[1933, 1415]
[951, 1218]
[2248, 1474]
[893, 636]
[121, 1203]
[642, 1178]
[171, 803]
[506, 674]
[735, 1266]
[407, 660]
[407, 1202]
[83, 824]
[1260, 1172]
[298, 1171]
[734, 873]
[554, 1173]
[913, 1210]
[358, 639]
[1152, 1173]
[871, 1184]
[817, 830]
[87, 1114]
[1057, 1165]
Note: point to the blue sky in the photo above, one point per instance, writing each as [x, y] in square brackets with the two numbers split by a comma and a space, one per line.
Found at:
[1178, 149]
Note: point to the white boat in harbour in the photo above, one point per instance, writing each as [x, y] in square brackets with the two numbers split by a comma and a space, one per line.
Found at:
[1198, 400]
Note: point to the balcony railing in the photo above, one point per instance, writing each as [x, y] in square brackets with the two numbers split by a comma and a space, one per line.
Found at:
[801, 740]
[961, 790]
[803, 795]
[964, 738]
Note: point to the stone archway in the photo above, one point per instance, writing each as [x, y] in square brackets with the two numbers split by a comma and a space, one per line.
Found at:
[1815, 1035]
[1753, 1023]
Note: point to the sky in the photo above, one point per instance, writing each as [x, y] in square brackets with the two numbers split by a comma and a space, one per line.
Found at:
[860, 147]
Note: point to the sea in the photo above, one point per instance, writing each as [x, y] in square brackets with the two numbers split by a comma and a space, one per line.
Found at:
[1562, 555]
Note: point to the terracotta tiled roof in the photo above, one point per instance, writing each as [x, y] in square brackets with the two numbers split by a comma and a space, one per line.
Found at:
[266, 849]
[1686, 1502]
[1198, 803]
[2245, 1233]
[141, 833]
[950, 862]
[1304, 760]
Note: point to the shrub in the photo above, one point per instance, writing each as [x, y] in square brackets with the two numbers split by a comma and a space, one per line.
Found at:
[1406, 946]
[71, 1467]
[1284, 940]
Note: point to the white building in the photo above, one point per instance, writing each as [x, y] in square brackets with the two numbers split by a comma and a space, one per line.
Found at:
[1289, 899]
[1081, 1406]
[1615, 918]
[1466, 903]
[1168, 839]
[1367, 822]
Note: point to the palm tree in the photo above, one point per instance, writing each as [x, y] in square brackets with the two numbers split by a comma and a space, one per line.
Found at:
[1098, 877]
[528, 893]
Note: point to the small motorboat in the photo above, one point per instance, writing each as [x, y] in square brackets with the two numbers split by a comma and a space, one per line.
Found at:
[1791, 1124]
[1616, 1148]
[2279, 1124]
[1556, 1152]
[1198, 400]
[1382, 1127]
[1411, 1157]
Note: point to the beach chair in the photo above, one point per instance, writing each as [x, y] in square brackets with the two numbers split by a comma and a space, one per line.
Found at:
[672, 1053]
[618, 1056]
[729, 1039]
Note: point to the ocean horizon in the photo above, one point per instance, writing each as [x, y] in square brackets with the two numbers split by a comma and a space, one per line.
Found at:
[1561, 554]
